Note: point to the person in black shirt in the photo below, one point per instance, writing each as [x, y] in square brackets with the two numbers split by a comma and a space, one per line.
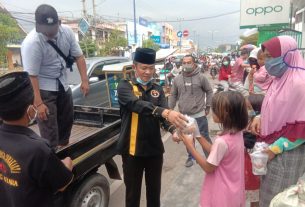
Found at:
[30, 172]
[143, 110]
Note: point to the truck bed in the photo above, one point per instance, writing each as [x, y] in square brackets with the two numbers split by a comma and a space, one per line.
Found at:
[93, 138]
[78, 133]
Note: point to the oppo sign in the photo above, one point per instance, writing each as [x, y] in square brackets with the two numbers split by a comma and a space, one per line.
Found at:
[264, 10]
[255, 13]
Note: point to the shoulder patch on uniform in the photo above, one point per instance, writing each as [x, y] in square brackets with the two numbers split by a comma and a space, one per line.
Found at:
[155, 93]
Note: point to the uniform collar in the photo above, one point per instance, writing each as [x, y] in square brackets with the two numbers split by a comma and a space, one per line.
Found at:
[149, 85]
[134, 81]
[19, 130]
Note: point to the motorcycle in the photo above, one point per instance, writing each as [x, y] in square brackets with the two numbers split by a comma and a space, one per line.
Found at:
[213, 70]
[220, 87]
[204, 67]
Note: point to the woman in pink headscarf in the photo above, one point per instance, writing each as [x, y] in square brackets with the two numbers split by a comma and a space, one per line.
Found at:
[283, 116]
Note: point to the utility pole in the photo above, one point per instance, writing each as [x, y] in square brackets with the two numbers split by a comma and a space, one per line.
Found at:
[94, 9]
[135, 22]
[85, 17]
[213, 31]
[180, 44]
[94, 35]
[84, 9]
[194, 40]
[291, 14]
[198, 44]
[86, 48]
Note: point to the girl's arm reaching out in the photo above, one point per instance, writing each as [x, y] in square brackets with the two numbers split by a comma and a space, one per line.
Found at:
[204, 143]
[188, 141]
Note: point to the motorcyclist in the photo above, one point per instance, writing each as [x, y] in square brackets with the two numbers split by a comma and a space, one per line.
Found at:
[168, 66]
[225, 73]
[173, 72]
[236, 79]
[213, 68]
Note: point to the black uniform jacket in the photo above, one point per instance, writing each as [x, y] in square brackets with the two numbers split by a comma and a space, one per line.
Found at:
[141, 119]
[30, 172]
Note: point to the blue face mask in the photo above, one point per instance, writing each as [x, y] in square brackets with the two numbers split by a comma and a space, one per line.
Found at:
[276, 66]
[139, 80]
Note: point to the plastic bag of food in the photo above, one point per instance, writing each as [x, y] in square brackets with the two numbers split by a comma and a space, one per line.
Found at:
[259, 158]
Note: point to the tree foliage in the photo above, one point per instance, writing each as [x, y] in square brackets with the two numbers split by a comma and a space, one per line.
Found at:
[116, 43]
[88, 47]
[218, 50]
[9, 32]
[149, 43]
[252, 39]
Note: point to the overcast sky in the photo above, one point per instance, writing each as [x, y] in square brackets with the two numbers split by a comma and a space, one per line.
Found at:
[226, 28]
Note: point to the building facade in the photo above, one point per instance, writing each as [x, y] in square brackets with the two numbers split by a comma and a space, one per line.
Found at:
[167, 35]
[298, 7]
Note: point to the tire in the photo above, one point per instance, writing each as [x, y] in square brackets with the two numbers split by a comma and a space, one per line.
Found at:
[92, 192]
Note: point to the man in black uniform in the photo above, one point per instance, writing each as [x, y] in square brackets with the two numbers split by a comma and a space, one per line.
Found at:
[143, 110]
[30, 172]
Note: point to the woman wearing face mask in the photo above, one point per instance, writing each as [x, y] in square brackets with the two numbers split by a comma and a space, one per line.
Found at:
[225, 72]
[249, 82]
[32, 170]
[261, 78]
[282, 121]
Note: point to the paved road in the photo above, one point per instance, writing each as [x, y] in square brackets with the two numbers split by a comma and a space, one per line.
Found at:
[180, 185]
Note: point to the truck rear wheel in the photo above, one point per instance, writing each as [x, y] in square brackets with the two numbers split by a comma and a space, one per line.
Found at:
[92, 192]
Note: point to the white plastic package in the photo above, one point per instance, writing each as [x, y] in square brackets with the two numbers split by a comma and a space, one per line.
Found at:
[294, 196]
[190, 126]
[259, 158]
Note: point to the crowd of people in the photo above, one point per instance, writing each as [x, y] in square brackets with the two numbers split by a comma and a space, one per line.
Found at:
[270, 78]
[256, 106]
[266, 105]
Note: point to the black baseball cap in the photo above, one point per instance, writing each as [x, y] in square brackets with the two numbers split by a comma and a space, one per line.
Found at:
[46, 18]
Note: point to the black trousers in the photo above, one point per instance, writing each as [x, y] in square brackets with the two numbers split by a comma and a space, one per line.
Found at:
[57, 128]
[133, 168]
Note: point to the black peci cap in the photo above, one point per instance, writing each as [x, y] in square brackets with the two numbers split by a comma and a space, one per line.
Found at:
[12, 84]
[15, 90]
[46, 18]
[145, 56]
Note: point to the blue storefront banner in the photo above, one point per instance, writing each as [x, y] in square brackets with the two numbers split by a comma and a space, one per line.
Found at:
[156, 39]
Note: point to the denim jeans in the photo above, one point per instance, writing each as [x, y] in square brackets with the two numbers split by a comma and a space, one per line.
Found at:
[204, 131]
